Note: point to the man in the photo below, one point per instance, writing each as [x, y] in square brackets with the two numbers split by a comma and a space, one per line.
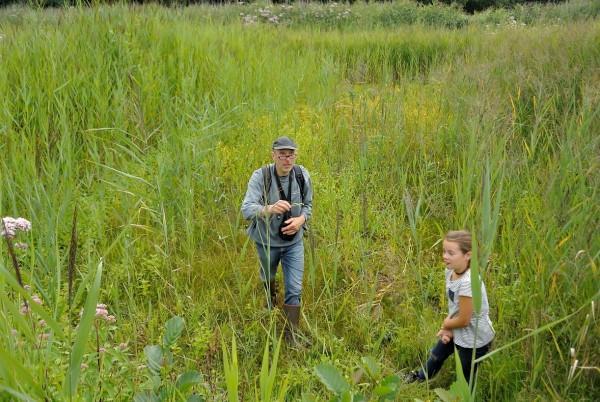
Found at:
[279, 202]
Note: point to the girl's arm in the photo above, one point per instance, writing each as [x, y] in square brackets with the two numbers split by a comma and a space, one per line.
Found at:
[463, 317]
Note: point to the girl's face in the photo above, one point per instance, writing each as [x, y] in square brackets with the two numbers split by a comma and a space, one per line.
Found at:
[454, 258]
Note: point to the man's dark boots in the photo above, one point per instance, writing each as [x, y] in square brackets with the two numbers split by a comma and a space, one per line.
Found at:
[292, 319]
[271, 289]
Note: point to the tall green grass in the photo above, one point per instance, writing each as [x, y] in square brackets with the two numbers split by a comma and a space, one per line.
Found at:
[151, 120]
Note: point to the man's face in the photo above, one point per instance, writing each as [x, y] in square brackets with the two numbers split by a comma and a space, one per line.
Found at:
[284, 160]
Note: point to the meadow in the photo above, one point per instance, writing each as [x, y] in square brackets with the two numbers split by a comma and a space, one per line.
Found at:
[128, 134]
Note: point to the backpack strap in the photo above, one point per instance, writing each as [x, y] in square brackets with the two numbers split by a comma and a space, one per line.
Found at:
[267, 178]
[300, 180]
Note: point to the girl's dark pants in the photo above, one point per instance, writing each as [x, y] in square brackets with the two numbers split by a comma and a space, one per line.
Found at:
[441, 352]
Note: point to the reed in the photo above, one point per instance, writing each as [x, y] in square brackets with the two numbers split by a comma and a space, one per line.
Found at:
[150, 120]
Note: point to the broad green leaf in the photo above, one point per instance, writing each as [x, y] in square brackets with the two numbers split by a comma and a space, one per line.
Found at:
[187, 380]
[359, 398]
[388, 388]
[331, 378]
[196, 398]
[145, 396]
[173, 329]
[154, 358]
[371, 367]
[383, 390]
[168, 358]
[445, 395]
[155, 381]
[167, 393]
[346, 397]
[82, 336]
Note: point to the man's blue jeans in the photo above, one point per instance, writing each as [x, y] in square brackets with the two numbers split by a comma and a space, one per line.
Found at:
[292, 264]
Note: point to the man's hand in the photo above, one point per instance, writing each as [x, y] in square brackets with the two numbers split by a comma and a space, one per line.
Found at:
[445, 335]
[279, 207]
[293, 225]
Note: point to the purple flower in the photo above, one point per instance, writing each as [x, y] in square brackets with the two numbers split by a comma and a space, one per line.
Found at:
[23, 224]
[102, 312]
[25, 309]
[11, 225]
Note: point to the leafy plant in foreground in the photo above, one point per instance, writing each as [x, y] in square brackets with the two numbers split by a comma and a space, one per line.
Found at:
[382, 388]
[160, 366]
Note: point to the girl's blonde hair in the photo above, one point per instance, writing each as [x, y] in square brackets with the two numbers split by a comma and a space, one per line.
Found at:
[460, 237]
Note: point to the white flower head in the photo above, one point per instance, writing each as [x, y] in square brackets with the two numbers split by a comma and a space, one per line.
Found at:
[10, 226]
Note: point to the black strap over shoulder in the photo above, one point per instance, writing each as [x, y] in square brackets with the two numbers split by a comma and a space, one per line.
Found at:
[282, 195]
[300, 180]
[266, 173]
[268, 178]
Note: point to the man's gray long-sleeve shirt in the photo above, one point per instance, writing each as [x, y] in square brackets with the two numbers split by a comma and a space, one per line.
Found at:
[265, 230]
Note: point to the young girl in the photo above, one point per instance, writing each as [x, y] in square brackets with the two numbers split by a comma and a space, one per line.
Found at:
[458, 329]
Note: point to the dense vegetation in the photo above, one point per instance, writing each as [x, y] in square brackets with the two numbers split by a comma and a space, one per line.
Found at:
[128, 135]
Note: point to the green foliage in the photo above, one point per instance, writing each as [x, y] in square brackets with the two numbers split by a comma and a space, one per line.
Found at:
[231, 371]
[83, 334]
[268, 373]
[160, 364]
[381, 388]
[173, 329]
[459, 390]
[332, 378]
[153, 128]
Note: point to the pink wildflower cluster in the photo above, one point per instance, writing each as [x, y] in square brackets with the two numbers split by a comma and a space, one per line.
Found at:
[11, 226]
[25, 309]
[102, 312]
